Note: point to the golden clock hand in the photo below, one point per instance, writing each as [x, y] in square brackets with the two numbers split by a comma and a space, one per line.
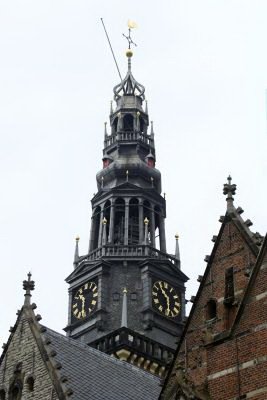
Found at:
[166, 297]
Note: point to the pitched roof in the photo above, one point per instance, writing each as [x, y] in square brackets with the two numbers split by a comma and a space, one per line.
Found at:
[95, 375]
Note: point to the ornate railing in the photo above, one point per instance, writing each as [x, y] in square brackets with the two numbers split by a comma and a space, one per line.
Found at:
[123, 251]
[128, 136]
[126, 338]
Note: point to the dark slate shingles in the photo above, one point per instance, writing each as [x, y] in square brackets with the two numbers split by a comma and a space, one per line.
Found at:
[95, 375]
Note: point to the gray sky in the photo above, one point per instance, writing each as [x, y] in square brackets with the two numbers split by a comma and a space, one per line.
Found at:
[204, 66]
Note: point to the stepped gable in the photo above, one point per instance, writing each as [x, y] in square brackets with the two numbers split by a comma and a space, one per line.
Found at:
[218, 302]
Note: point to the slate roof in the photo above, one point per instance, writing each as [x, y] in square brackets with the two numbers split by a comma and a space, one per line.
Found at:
[95, 375]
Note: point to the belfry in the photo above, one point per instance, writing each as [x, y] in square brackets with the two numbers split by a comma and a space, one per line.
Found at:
[127, 295]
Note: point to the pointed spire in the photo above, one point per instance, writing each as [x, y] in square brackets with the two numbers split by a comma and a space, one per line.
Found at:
[105, 130]
[104, 237]
[28, 286]
[152, 129]
[76, 252]
[229, 190]
[177, 251]
[124, 309]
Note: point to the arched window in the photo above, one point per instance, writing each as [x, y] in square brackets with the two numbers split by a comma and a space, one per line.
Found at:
[30, 383]
[2, 394]
[211, 309]
[119, 221]
[128, 122]
[133, 228]
[95, 231]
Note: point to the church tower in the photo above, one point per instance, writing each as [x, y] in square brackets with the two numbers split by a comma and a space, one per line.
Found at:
[127, 295]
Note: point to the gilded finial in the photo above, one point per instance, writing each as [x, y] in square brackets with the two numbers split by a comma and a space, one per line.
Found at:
[125, 290]
[104, 221]
[146, 221]
[77, 238]
[176, 236]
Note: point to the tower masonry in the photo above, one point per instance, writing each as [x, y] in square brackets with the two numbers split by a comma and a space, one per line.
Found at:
[127, 295]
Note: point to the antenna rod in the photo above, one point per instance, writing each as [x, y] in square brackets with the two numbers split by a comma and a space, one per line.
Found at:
[111, 49]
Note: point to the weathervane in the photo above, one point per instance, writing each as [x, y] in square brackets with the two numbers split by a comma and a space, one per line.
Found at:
[131, 25]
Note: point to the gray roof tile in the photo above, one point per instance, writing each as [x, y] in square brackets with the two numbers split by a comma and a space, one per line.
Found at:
[95, 375]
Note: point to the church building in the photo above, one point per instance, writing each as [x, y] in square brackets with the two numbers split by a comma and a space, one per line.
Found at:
[126, 311]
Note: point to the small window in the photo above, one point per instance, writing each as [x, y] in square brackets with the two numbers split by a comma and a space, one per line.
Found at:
[211, 311]
[2, 394]
[30, 383]
[116, 296]
[229, 286]
[133, 296]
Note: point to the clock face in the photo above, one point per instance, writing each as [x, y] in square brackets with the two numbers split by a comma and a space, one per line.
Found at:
[84, 300]
[166, 299]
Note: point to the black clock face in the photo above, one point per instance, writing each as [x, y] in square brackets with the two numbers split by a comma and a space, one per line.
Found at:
[166, 299]
[84, 300]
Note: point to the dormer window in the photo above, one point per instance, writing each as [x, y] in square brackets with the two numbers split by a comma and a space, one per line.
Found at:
[150, 160]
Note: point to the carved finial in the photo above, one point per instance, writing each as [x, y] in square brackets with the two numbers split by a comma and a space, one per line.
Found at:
[127, 175]
[28, 286]
[76, 251]
[229, 190]
[111, 107]
[124, 309]
[146, 108]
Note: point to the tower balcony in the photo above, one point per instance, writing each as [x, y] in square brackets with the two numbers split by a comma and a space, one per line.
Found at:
[130, 346]
[128, 137]
[125, 251]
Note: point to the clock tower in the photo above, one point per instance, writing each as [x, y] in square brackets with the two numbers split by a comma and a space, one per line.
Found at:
[127, 294]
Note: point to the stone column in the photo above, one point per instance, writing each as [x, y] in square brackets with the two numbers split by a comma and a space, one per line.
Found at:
[101, 226]
[126, 221]
[152, 226]
[111, 222]
[141, 221]
[162, 236]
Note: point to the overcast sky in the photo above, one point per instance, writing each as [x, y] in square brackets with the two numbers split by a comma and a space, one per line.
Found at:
[204, 66]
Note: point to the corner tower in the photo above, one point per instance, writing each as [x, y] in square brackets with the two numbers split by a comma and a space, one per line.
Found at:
[127, 295]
